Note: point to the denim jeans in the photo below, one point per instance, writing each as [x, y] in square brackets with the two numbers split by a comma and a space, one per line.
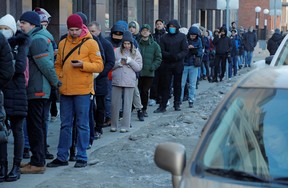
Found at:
[191, 72]
[248, 57]
[108, 100]
[233, 66]
[26, 139]
[80, 106]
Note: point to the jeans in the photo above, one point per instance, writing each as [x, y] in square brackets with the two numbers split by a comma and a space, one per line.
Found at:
[233, 66]
[26, 139]
[108, 100]
[80, 106]
[248, 57]
[191, 73]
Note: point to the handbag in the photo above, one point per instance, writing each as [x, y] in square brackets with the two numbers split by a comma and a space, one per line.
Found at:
[197, 61]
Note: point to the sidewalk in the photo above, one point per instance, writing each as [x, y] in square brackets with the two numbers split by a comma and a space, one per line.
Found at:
[107, 138]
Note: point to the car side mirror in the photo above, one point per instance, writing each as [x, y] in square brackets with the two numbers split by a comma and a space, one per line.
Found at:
[172, 158]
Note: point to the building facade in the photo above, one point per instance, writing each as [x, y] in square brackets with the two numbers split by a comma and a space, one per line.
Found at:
[107, 12]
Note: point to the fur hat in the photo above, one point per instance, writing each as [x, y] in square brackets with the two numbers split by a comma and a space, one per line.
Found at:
[9, 21]
[74, 20]
[31, 17]
[127, 36]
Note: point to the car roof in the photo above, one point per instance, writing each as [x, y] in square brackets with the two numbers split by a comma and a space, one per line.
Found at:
[268, 77]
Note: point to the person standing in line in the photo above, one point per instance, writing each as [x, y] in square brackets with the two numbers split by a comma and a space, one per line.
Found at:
[41, 76]
[174, 48]
[249, 42]
[6, 73]
[223, 46]
[77, 59]
[128, 61]
[155, 91]
[101, 85]
[152, 57]
[15, 96]
[190, 70]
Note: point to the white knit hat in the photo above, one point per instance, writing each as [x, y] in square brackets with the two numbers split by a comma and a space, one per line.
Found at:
[8, 20]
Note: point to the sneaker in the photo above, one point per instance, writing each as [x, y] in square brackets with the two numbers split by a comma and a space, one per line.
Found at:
[177, 108]
[145, 114]
[140, 115]
[190, 104]
[151, 102]
[26, 154]
[97, 135]
[113, 130]
[56, 163]
[160, 110]
[30, 169]
[123, 130]
[48, 155]
[80, 164]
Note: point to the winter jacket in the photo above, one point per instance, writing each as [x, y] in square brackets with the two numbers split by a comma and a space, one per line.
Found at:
[174, 47]
[249, 41]
[274, 42]
[125, 75]
[101, 81]
[151, 55]
[15, 95]
[197, 43]
[41, 64]
[6, 64]
[158, 34]
[223, 44]
[236, 45]
[78, 81]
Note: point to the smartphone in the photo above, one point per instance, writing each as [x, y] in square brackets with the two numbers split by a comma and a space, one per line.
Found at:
[74, 61]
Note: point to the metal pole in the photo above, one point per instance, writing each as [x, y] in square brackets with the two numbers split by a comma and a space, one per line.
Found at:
[227, 25]
[275, 17]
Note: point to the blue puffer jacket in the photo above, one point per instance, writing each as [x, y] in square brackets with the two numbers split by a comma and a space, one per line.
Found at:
[197, 43]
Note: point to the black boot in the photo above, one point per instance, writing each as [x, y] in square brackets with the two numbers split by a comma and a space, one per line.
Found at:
[72, 156]
[140, 115]
[3, 170]
[14, 174]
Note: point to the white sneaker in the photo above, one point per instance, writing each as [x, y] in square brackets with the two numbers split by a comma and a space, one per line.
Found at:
[152, 102]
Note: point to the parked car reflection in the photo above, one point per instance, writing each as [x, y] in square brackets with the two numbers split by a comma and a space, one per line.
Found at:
[244, 142]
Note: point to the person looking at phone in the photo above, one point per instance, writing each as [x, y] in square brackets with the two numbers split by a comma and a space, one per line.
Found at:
[128, 61]
[77, 59]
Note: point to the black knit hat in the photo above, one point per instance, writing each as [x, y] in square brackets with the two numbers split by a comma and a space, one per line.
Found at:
[127, 36]
[31, 17]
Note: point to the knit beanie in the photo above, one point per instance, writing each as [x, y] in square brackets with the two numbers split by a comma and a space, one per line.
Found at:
[31, 17]
[83, 17]
[127, 36]
[9, 21]
[42, 15]
[74, 20]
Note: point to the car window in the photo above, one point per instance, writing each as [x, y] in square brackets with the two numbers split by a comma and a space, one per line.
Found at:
[283, 56]
[242, 137]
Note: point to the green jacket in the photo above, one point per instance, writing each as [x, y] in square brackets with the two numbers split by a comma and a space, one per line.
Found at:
[41, 64]
[151, 55]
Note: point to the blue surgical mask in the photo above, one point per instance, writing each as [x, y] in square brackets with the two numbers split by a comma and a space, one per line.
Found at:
[172, 30]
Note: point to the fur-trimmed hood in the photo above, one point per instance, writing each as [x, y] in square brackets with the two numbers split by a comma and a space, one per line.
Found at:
[20, 38]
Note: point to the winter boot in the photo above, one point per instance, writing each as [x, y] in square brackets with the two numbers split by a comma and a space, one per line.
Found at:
[177, 106]
[140, 115]
[14, 174]
[3, 170]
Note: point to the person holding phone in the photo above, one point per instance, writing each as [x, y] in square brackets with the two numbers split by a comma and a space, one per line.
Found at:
[128, 61]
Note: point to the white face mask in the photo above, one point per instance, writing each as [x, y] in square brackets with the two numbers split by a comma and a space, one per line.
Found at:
[7, 33]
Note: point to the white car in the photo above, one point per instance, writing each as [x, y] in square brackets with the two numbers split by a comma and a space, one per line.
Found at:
[243, 144]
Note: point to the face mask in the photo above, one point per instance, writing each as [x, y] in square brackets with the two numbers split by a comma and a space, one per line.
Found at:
[172, 30]
[7, 33]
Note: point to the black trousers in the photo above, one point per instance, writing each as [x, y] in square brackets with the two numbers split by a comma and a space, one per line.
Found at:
[144, 85]
[36, 130]
[99, 114]
[220, 60]
[16, 123]
[169, 71]
[155, 91]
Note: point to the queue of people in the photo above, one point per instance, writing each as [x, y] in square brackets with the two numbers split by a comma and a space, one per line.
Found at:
[100, 79]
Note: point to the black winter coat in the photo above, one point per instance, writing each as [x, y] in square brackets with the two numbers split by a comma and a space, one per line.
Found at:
[15, 95]
[223, 45]
[101, 81]
[274, 42]
[174, 47]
